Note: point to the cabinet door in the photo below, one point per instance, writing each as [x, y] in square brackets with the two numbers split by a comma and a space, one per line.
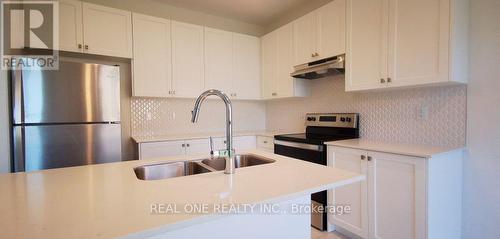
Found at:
[152, 64]
[269, 64]
[284, 82]
[397, 196]
[355, 195]
[331, 29]
[305, 33]
[70, 26]
[219, 60]
[366, 44]
[161, 149]
[419, 36]
[246, 67]
[197, 146]
[107, 31]
[244, 143]
[188, 78]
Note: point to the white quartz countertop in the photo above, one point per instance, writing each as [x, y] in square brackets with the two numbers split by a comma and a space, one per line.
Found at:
[159, 138]
[422, 151]
[108, 201]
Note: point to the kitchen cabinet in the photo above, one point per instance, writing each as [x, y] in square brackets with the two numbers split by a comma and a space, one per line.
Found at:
[398, 43]
[404, 196]
[152, 62]
[70, 26]
[246, 67]
[161, 149]
[193, 146]
[219, 60]
[277, 64]
[355, 195]
[107, 31]
[188, 69]
[320, 34]
[265, 143]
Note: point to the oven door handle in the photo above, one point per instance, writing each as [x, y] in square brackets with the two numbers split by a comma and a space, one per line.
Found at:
[318, 148]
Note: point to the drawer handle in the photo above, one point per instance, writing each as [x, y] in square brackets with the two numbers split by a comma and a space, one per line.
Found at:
[369, 158]
[265, 142]
[363, 157]
[382, 80]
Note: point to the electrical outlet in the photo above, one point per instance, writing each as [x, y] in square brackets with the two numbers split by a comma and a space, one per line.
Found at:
[424, 112]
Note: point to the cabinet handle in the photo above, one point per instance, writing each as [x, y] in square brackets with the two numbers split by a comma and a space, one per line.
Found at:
[86, 47]
[363, 157]
[316, 54]
[80, 46]
[265, 142]
[313, 55]
[369, 158]
[382, 80]
[274, 94]
[187, 145]
[389, 80]
[183, 145]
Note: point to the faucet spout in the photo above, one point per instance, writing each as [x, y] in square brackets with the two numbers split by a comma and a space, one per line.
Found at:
[229, 124]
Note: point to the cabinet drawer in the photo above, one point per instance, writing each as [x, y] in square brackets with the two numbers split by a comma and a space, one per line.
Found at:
[264, 142]
[161, 149]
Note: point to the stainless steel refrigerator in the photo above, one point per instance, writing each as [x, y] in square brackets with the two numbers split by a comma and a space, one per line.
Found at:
[67, 117]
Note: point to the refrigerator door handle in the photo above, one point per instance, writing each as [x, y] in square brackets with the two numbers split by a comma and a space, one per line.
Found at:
[17, 96]
[19, 149]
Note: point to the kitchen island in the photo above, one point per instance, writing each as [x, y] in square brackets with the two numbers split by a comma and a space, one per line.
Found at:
[108, 201]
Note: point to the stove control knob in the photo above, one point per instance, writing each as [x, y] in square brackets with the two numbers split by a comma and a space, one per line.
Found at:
[311, 118]
[348, 119]
[342, 119]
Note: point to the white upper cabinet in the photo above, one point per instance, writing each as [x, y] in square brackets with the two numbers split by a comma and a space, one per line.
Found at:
[320, 34]
[331, 29]
[366, 63]
[152, 62]
[269, 44]
[107, 31]
[188, 74]
[419, 34]
[70, 26]
[277, 64]
[395, 43]
[246, 67]
[305, 34]
[219, 60]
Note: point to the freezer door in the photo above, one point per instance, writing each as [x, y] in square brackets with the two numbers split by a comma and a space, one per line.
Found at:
[57, 146]
[76, 93]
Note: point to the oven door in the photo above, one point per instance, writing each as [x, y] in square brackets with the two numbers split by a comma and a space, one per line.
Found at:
[310, 153]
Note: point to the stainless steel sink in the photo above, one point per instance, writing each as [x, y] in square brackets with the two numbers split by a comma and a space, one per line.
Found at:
[169, 170]
[180, 169]
[243, 160]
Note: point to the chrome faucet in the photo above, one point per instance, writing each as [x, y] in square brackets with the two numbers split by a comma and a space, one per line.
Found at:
[229, 152]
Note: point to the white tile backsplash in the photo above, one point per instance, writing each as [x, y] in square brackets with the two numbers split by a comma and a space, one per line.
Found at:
[157, 116]
[430, 116]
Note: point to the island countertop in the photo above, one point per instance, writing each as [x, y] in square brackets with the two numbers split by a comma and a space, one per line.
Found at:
[108, 201]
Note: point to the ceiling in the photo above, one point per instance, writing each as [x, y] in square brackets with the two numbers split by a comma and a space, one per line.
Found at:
[258, 12]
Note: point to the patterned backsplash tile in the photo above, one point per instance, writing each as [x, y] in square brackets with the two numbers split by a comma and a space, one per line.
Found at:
[430, 116]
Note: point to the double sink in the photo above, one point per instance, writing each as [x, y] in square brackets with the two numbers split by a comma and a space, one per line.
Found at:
[179, 169]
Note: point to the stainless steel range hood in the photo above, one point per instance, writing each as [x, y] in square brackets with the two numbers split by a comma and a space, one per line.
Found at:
[319, 69]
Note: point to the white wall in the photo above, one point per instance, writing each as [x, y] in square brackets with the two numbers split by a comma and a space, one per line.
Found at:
[4, 125]
[482, 166]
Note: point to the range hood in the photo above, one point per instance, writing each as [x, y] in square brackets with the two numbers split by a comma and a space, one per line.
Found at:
[319, 69]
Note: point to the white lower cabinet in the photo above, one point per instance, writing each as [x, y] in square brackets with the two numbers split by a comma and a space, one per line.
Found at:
[265, 143]
[402, 196]
[194, 146]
